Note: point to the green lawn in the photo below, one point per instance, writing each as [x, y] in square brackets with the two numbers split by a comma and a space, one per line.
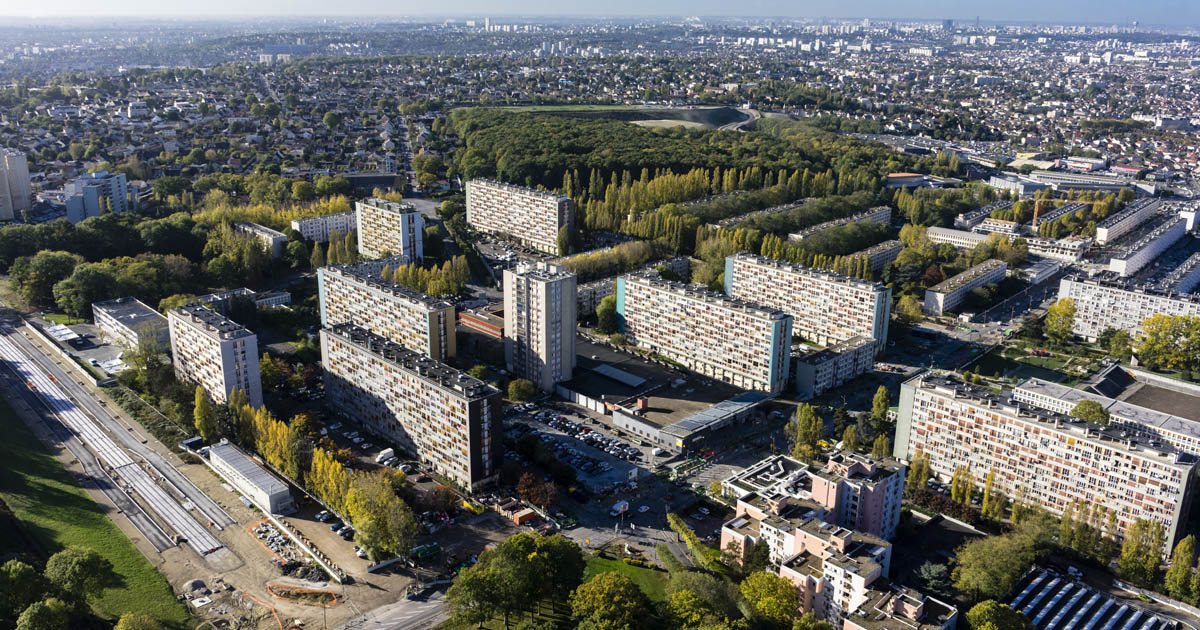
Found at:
[653, 583]
[60, 318]
[565, 108]
[56, 513]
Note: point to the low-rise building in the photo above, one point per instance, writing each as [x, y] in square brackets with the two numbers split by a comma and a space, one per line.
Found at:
[818, 372]
[251, 479]
[272, 240]
[129, 323]
[881, 255]
[880, 214]
[950, 293]
[452, 422]
[1129, 218]
[1070, 249]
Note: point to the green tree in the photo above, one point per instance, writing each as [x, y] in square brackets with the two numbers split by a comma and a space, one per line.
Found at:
[610, 601]
[1060, 322]
[478, 371]
[297, 254]
[606, 315]
[934, 579]
[473, 598]
[809, 621]
[880, 404]
[882, 447]
[908, 310]
[1140, 551]
[1120, 345]
[205, 416]
[303, 191]
[1091, 411]
[618, 339]
[33, 277]
[50, 614]
[521, 390]
[564, 241]
[332, 120]
[773, 597]
[850, 438]
[992, 615]
[1179, 576]
[175, 301]
[384, 525]
[986, 568]
[78, 572]
[317, 259]
[805, 431]
[88, 283]
[20, 586]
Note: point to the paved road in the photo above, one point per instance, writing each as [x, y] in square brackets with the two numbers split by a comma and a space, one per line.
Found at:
[405, 614]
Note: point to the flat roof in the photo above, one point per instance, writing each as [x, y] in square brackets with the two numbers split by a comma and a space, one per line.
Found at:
[716, 414]
[963, 278]
[210, 322]
[246, 467]
[130, 312]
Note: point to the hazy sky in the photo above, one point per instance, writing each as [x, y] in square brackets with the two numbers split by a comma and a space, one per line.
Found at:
[1179, 13]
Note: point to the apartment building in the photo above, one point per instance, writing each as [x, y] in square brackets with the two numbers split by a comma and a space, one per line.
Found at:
[209, 350]
[317, 229]
[827, 307]
[387, 228]
[1106, 302]
[448, 420]
[129, 323]
[1132, 258]
[950, 293]
[1070, 249]
[881, 255]
[1183, 278]
[351, 294]
[818, 372]
[15, 193]
[1043, 457]
[1114, 226]
[532, 217]
[968, 220]
[93, 194]
[1000, 226]
[539, 323]
[880, 214]
[960, 239]
[273, 240]
[732, 340]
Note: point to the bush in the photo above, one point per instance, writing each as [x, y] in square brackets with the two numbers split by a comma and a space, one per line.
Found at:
[521, 390]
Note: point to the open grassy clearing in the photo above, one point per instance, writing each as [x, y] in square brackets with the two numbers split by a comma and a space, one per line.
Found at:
[653, 583]
[55, 513]
[667, 124]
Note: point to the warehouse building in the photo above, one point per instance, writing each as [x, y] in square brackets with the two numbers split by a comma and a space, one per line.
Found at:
[251, 479]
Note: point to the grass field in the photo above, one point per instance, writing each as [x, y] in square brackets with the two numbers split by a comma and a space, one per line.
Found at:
[653, 583]
[56, 513]
[565, 108]
[668, 123]
[61, 318]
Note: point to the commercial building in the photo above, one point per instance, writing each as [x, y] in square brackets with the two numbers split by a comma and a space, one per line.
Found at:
[387, 228]
[430, 410]
[951, 292]
[129, 323]
[211, 351]
[881, 255]
[15, 193]
[350, 294]
[317, 229]
[251, 479]
[487, 321]
[1109, 303]
[539, 323]
[1117, 225]
[1060, 180]
[693, 432]
[818, 372]
[827, 307]
[1132, 258]
[880, 214]
[731, 340]
[532, 217]
[93, 194]
[1038, 271]
[1042, 457]
[272, 240]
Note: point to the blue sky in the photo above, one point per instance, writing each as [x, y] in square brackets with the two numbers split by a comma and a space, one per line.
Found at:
[1178, 13]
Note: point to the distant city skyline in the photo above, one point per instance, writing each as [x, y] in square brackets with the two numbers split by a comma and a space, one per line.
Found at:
[1178, 13]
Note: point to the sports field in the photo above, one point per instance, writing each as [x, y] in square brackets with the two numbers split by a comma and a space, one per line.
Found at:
[53, 512]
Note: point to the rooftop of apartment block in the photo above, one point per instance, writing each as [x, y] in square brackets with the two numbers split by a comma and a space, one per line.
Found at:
[130, 312]
[822, 274]
[967, 276]
[703, 295]
[390, 206]
[210, 322]
[519, 189]
[362, 272]
[428, 369]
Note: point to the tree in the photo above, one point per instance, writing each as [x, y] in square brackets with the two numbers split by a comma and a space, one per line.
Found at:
[332, 120]
[478, 371]
[205, 416]
[880, 404]
[908, 310]
[20, 586]
[850, 438]
[34, 277]
[1120, 345]
[88, 283]
[774, 598]
[317, 259]
[521, 390]
[303, 191]
[78, 572]
[1140, 552]
[50, 614]
[1091, 411]
[934, 580]
[610, 601]
[297, 254]
[882, 447]
[383, 524]
[1060, 322]
[473, 597]
[805, 431]
[809, 621]
[175, 301]
[986, 568]
[687, 609]
[1179, 576]
[993, 615]
[1170, 342]
[137, 621]
[606, 315]
[564, 241]
[618, 339]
